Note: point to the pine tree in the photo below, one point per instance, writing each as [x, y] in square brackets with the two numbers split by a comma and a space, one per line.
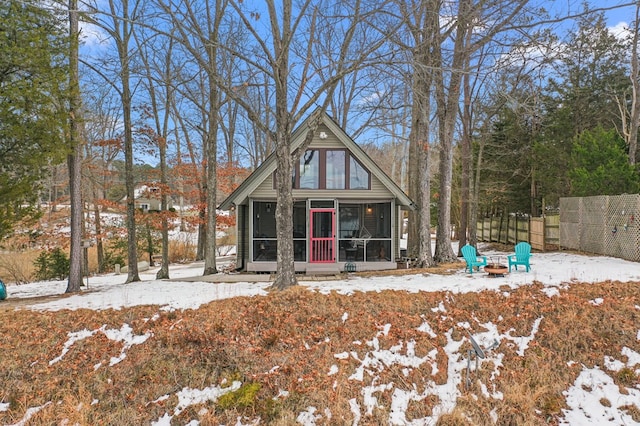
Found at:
[32, 113]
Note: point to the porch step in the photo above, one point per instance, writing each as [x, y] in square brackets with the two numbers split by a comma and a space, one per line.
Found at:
[322, 269]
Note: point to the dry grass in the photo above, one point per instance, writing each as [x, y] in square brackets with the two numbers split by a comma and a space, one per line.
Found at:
[300, 332]
[18, 267]
[442, 269]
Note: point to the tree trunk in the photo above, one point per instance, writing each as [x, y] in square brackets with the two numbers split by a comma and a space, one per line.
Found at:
[447, 101]
[474, 196]
[465, 141]
[123, 51]
[421, 19]
[160, 136]
[413, 226]
[99, 244]
[210, 227]
[163, 272]
[634, 119]
[286, 272]
[425, 256]
[212, 156]
[74, 159]
[423, 80]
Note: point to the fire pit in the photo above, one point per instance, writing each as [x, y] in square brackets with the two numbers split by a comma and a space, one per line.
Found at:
[496, 268]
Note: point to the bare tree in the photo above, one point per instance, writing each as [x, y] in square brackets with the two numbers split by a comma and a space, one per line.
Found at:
[294, 30]
[118, 21]
[159, 87]
[466, 157]
[201, 38]
[422, 21]
[258, 140]
[483, 20]
[102, 146]
[447, 94]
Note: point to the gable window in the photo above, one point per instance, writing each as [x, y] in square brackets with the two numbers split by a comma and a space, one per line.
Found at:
[330, 169]
[309, 170]
[335, 169]
[359, 177]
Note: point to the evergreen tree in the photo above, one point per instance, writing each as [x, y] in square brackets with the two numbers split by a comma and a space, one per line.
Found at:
[506, 175]
[591, 72]
[32, 113]
[588, 76]
[600, 166]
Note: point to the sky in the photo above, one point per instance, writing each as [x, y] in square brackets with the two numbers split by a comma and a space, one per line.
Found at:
[95, 39]
[616, 14]
[189, 290]
[618, 18]
[96, 44]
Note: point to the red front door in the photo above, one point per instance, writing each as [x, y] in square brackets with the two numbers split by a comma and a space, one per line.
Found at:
[323, 236]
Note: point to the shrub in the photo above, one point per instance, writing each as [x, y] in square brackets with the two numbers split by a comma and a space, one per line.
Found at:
[53, 264]
[112, 258]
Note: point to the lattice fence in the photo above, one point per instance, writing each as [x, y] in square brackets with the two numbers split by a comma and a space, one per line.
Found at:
[604, 224]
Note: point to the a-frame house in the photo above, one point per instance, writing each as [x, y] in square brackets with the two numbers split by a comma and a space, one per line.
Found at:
[347, 212]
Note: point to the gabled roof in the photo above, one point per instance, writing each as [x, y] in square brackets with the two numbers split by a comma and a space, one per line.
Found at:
[269, 165]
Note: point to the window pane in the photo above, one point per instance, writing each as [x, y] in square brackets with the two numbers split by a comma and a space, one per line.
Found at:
[351, 250]
[300, 250]
[378, 220]
[349, 218]
[310, 170]
[322, 204]
[378, 250]
[300, 219]
[264, 219]
[359, 176]
[335, 170]
[265, 250]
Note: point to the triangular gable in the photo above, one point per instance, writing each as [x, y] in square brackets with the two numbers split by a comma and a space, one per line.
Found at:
[269, 165]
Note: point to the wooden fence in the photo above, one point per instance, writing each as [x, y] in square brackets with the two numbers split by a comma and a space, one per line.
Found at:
[543, 233]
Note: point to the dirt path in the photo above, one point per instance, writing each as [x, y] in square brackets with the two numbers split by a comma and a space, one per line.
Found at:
[11, 304]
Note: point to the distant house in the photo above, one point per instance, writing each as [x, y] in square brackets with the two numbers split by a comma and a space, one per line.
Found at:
[346, 214]
[148, 199]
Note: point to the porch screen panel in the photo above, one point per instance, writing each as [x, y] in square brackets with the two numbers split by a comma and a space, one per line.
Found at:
[300, 231]
[265, 243]
[351, 247]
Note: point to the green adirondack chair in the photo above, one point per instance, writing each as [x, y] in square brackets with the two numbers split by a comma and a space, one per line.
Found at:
[521, 257]
[472, 259]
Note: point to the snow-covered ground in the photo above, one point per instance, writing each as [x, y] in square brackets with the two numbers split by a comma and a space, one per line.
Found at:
[554, 270]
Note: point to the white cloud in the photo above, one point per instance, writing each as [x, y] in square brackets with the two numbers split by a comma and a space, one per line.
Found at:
[620, 30]
[92, 36]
